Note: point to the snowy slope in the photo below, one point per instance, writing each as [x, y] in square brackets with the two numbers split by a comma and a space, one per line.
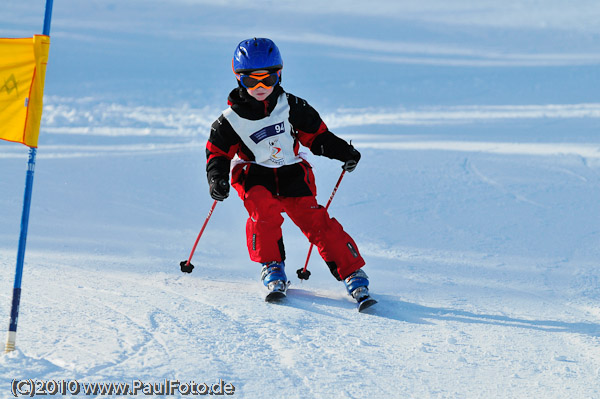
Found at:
[475, 203]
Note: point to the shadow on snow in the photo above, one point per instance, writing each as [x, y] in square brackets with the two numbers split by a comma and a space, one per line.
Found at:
[391, 307]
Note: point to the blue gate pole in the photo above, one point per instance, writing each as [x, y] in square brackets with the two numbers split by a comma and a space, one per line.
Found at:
[16, 299]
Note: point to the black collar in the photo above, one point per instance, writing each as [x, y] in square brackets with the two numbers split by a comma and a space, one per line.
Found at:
[248, 107]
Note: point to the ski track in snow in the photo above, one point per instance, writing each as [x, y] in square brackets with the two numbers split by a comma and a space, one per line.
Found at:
[172, 317]
[470, 168]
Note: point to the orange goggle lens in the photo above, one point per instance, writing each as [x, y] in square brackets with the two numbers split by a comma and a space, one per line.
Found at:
[266, 80]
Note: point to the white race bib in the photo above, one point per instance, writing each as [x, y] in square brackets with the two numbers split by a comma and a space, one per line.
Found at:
[270, 138]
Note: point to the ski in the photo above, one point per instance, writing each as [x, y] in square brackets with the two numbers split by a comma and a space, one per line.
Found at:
[362, 297]
[277, 291]
[365, 303]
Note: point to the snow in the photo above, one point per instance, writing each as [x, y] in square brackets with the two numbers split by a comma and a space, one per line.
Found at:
[475, 204]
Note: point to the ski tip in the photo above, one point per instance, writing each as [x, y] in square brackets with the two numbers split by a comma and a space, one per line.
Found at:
[279, 293]
[275, 296]
[366, 304]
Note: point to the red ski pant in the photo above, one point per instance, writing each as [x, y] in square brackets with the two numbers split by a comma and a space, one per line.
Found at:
[264, 237]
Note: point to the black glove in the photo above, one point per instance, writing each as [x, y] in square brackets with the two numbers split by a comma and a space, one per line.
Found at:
[219, 188]
[351, 159]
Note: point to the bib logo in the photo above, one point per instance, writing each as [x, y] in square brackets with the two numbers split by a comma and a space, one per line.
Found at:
[276, 152]
[269, 136]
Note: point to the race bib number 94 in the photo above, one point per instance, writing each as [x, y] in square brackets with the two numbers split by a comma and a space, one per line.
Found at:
[267, 132]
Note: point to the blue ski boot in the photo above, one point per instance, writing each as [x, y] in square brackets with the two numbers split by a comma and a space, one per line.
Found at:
[357, 286]
[274, 278]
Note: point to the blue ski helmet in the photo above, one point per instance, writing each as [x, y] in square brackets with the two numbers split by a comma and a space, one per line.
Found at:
[255, 54]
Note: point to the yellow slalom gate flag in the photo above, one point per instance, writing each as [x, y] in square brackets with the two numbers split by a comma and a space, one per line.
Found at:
[22, 73]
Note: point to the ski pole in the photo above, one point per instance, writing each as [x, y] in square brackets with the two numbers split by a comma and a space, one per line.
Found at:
[186, 265]
[304, 274]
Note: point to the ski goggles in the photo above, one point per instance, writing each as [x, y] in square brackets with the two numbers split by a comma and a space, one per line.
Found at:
[255, 80]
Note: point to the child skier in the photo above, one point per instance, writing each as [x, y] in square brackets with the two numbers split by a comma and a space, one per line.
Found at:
[263, 127]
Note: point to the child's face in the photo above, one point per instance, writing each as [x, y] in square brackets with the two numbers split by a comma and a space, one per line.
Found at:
[260, 93]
